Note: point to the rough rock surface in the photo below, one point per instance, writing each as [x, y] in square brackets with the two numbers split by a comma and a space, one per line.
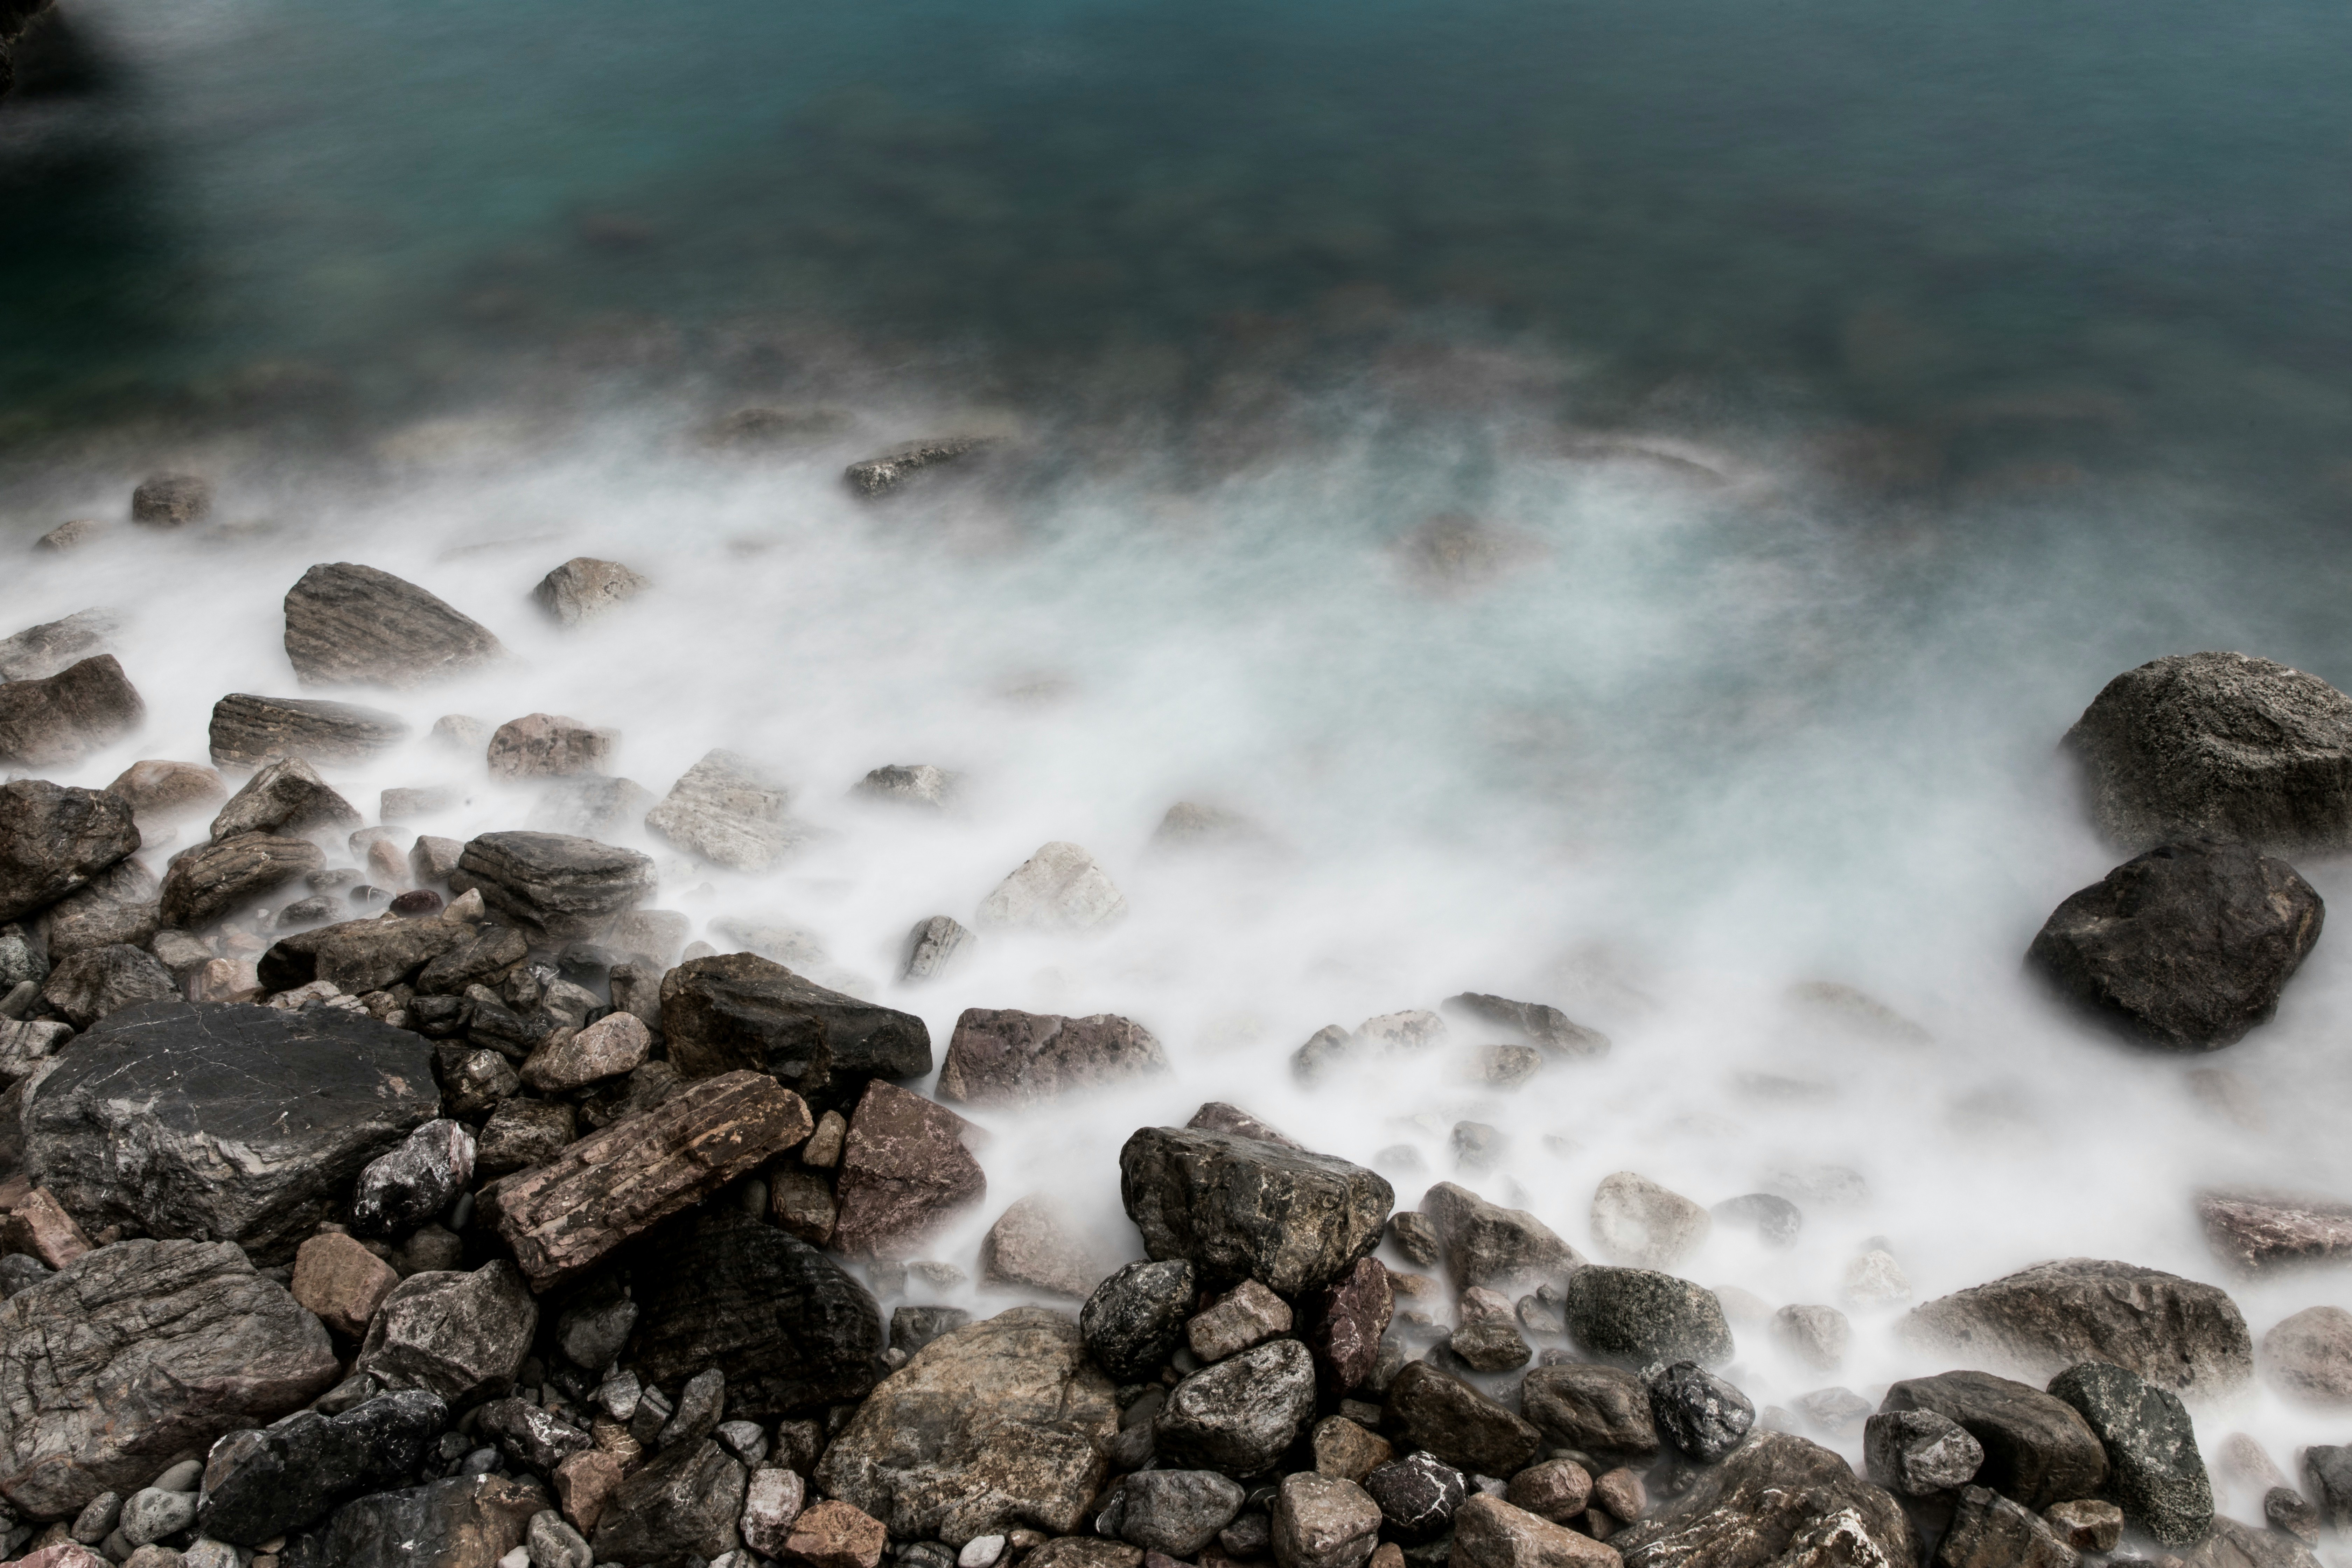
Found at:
[1060, 889]
[1323, 1521]
[212, 880]
[1542, 1026]
[1035, 1245]
[552, 884]
[1417, 1495]
[72, 713]
[359, 957]
[999, 1057]
[2177, 1334]
[464, 1521]
[1347, 1320]
[38, 652]
[1635, 1317]
[1135, 1319]
[55, 839]
[1595, 1409]
[1699, 1413]
[342, 1281]
[1491, 1533]
[1486, 1244]
[352, 623]
[103, 981]
[2308, 1356]
[904, 1171]
[1641, 1225]
[287, 797]
[585, 587]
[119, 906]
[1175, 1512]
[2187, 946]
[996, 1424]
[738, 1010]
[261, 1483]
[880, 475]
[1460, 1424]
[2258, 1233]
[1241, 1208]
[1988, 1531]
[2155, 1473]
[1777, 1500]
[1917, 1453]
[933, 947]
[1241, 1415]
[249, 730]
[172, 1117]
[549, 746]
[616, 1044]
[454, 1334]
[2038, 1450]
[726, 809]
[155, 787]
[136, 1354]
[403, 1188]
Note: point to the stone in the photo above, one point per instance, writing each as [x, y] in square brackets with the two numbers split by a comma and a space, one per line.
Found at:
[562, 1218]
[351, 622]
[55, 839]
[1248, 1314]
[457, 1336]
[1777, 1499]
[1637, 1316]
[1918, 1453]
[552, 884]
[585, 1483]
[359, 957]
[465, 1522]
[999, 1057]
[1698, 1413]
[2260, 1233]
[403, 1188]
[1417, 1495]
[25, 1045]
[1637, 1222]
[727, 810]
[549, 746]
[1216, 1116]
[1346, 1321]
[1348, 1450]
[772, 1502]
[1323, 1521]
[1544, 1026]
[1135, 1319]
[1458, 1424]
[1554, 1490]
[2177, 1334]
[917, 784]
[287, 798]
[585, 587]
[1484, 1244]
[37, 1226]
[2328, 1481]
[2283, 1508]
[1058, 889]
[259, 1484]
[905, 1171]
[2186, 947]
[171, 500]
[250, 731]
[792, 1332]
[209, 881]
[118, 907]
[38, 652]
[1241, 1208]
[1490, 1342]
[2155, 1473]
[343, 1282]
[1872, 1280]
[171, 1117]
[521, 1133]
[933, 948]
[474, 1081]
[484, 956]
[880, 475]
[1176, 1512]
[1840, 1412]
[833, 1535]
[1620, 1494]
[97, 1521]
[2037, 1449]
[59, 720]
[150, 1514]
[223, 980]
[1035, 1245]
[1488, 1532]
[529, 1434]
[552, 1543]
[139, 1352]
[1592, 1408]
[801, 1202]
[1815, 1336]
[2086, 1524]
[431, 859]
[103, 981]
[164, 790]
[1243, 1414]
[612, 1046]
[1988, 1531]
[740, 1011]
[2308, 1356]
[912, 1328]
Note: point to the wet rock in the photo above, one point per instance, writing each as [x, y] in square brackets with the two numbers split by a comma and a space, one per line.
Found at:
[2187, 947]
[1490, 1534]
[1485, 1243]
[2154, 1470]
[801, 1202]
[454, 1334]
[904, 1172]
[359, 956]
[38, 652]
[2086, 1524]
[2260, 1233]
[1240, 1208]
[1035, 1245]
[2038, 1450]
[1058, 889]
[485, 955]
[997, 1423]
[739, 1011]
[552, 884]
[2177, 1334]
[730, 812]
[880, 475]
[287, 798]
[1135, 1319]
[431, 859]
[352, 623]
[1241, 1415]
[259, 1484]
[1635, 1317]
[2308, 1356]
[521, 1133]
[529, 1434]
[55, 839]
[684, 1503]
[1417, 1495]
[1346, 1323]
[933, 947]
[1918, 1453]
[1246, 1315]
[612, 1046]
[63, 718]
[402, 1189]
[171, 500]
[172, 1117]
[118, 907]
[249, 730]
[137, 1354]
[1176, 1512]
[1322, 1522]
[1777, 1499]
[562, 1218]
[211, 880]
[465, 1522]
[1594, 1409]
[919, 784]
[1640, 1224]
[164, 790]
[999, 1057]
[770, 1503]
[1458, 1424]
[343, 1282]
[1700, 1414]
[1775, 1220]
[585, 587]
[1988, 1531]
[1541, 1026]
[103, 981]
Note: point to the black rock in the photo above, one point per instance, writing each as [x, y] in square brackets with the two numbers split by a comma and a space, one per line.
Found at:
[345, 623]
[1777, 1499]
[1636, 1317]
[2186, 947]
[212, 880]
[473, 1080]
[1699, 1413]
[552, 883]
[1917, 1453]
[359, 957]
[259, 1484]
[1595, 1409]
[1988, 1531]
[461, 1335]
[1775, 1220]
[249, 730]
[104, 981]
[2155, 1473]
[2328, 1480]
[684, 1503]
[1241, 1415]
[1243, 1209]
[63, 718]
[1460, 1424]
[401, 1190]
[530, 1436]
[1135, 1319]
[472, 1520]
[738, 1010]
[1417, 1495]
[511, 1033]
[440, 1018]
[54, 839]
[2038, 1450]
[912, 1328]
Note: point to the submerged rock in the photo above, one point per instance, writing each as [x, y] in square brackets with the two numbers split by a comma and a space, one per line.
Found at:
[63, 718]
[585, 587]
[737, 1011]
[1240, 1208]
[171, 500]
[350, 623]
[885, 473]
[1058, 889]
[54, 839]
[999, 1056]
[548, 746]
[933, 947]
[1640, 1224]
[37, 652]
[2177, 1334]
[249, 730]
[726, 809]
[1538, 1024]
[2037, 1449]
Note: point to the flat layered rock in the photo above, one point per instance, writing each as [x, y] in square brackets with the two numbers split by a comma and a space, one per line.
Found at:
[38, 652]
[905, 1171]
[359, 956]
[249, 730]
[286, 797]
[55, 839]
[739, 1011]
[2177, 1334]
[120, 905]
[2263, 1233]
[612, 1185]
[65, 718]
[1240, 1208]
[730, 812]
[1778, 1500]
[212, 880]
[352, 623]
[999, 1056]
[552, 883]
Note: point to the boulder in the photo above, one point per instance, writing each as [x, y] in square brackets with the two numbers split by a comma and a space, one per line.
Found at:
[1490, 1534]
[1639, 1224]
[1815, 1335]
[529, 1435]
[1458, 1424]
[1322, 1522]
[1346, 1320]
[464, 1521]
[249, 730]
[1242, 1415]
[37, 652]
[880, 475]
[211, 880]
[359, 957]
[117, 907]
[158, 788]
[171, 500]
[1060, 889]
[1548, 1027]
[1135, 1319]
[352, 623]
[615, 1043]
[63, 718]
[738, 1010]
[585, 587]
[401, 1190]
[727, 810]
[259, 1484]
[2155, 1473]
[549, 746]
[997, 1425]
[933, 947]
[615, 1184]
[904, 1172]
[1176, 1512]
[1777, 1500]
[1592, 1408]
[2177, 1334]
[1917, 1453]
[339, 1279]
[485, 955]
[1486, 1244]
[229, 1122]
[1700, 1414]
[1988, 1531]
[1635, 1317]
[1035, 1245]
[2037, 1449]
[104, 981]
[55, 839]
[2308, 1357]
[1417, 1495]
[457, 1336]
[2260, 1233]
[2186, 947]
[554, 885]
[139, 1354]
[999, 1057]
[288, 798]
[1241, 1208]
[523, 1133]
[1246, 1315]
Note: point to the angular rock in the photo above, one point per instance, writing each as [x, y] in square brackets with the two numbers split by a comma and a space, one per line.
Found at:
[37, 1226]
[833, 1534]
[912, 1328]
[1321, 1521]
[2177, 1334]
[1348, 1450]
[612, 1046]
[2186, 947]
[465, 1522]
[1988, 1531]
[261, 1484]
[1460, 1424]
[2086, 1525]
[166, 789]
[2308, 1356]
[37, 652]
[2038, 1450]
[933, 947]
[880, 475]
[402, 1189]
[137, 1354]
[1485, 1243]
[359, 957]
[249, 730]
[740, 1011]
[172, 1117]
[1034, 1244]
[1417, 1495]
[1777, 1499]
[63, 718]
[453, 1334]
[287, 798]
[727, 810]
[104, 981]
[1241, 1415]
[118, 907]
[1594, 1409]
[529, 1435]
[1635, 1317]
[585, 587]
[1548, 1027]
[1176, 1512]
[1060, 889]
[1246, 1315]
[1135, 1319]
[1639, 1224]
[998, 1423]
[55, 839]
[1815, 1335]
[1490, 1534]
[904, 1172]
[1700, 1414]
[801, 1202]
[1346, 1320]
[2259, 1233]
[552, 884]
[770, 1503]
[2154, 1470]
[1917, 1453]
[1240, 1208]
[521, 1133]
[485, 955]
[211, 880]
[917, 784]
[343, 1282]
[999, 1057]
[351, 622]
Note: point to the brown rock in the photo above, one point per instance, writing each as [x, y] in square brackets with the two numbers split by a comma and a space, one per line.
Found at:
[1387, 1555]
[287, 797]
[54, 839]
[1082, 1552]
[1345, 1450]
[2086, 1524]
[904, 1170]
[2260, 1233]
[549, 746]
[584, 1482]
[343, 1282]
[822, 1151]
[1556, 1490]
[165, 789]
[585, 587]
[833, 1534]
[63, 718]
[1246, 1315]
[2308, 1357]
[1347, 1320]
[212, 880]
[359, 957]
[223, 980]
[1620, 1494]
[1035, 1245]
[1216, 1116]
[1490, 1534]
[614, 1045]
[602, 1191]
[249, 730]
[431, 859]
[739, 1010]
[2177, 1334]
[117, 907]
[171, 500]
[1323, 1521]
[1777, 1499]
[347, 622]
[521, 1133]
[37, 1225]
[999, 1057]
[800, 1201]
[1486, 1244]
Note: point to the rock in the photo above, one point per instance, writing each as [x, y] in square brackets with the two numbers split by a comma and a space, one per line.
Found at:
[37, 1228]
[104, 981]
[770, 1503]
[2259, 1233]
[359, 957]
[454, 1334]
[607, 1188]
[917, 784]
[585, 1482]
[999, 1057]
[2154, 1470]
[1246, 1315]
[1636, 1317]
[1816, 1336]
[1346, 1323]
[1555, 1489]
[485, 955]
[1490, 1534]
[2177, 1334]
[150, 1514]
[401, 1190]
[173, 1118]
[996, 1424]
[552, 1543]
[933, 947]
[612, 1046]
[465, 1522]
[1917, 1453]
[1242, 1415]
[287, 798]
[1485, 1243]
[2038, 1450]
[1240, 1208]
[904, 1172]
[1873, 1279]
[261, 1484]
[137, 1354]
[730, 812]
[1640, 1224]
[1176, 1512]
[738, 1010]
[1458, 1424]
[432, 860]
[551, 884]
[1594, 1409]
[2308, 1356]
[2086, 1524]
[521, 1133]
[2186, 947]
[1321, 1521]
[1988, 1531]
[2234, 1545]
[38, 652]
[1348, 1450]
[529, 1434]
[1135, 1319]
[1620, 1495]
[1700, 1414]
[473, 1081]
[585, 587]
[2328, 1481]
[171, 500]
[835, 1535]
[549, 746]
[118, 907]
[1058, 889]
[165, 789]
[801, 1202]
[1417, 1495]
[878, 476]
[249, 730]
[343, 1282]
[1035, 1245]
[1777, 1499]
[211, 880]
[351, 622]
[1548, 1027]
[63, 718]
[55, 839]
[591, 806]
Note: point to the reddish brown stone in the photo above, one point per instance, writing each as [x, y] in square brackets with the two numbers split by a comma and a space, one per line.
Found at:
[2260, 1232]
[343, 1282]
[584, 1482]
[37, 1224]
[999, 1057]
[904, 1169]
[835, 1535]
[1348, 1320]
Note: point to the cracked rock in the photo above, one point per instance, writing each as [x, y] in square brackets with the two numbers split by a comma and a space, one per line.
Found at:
[350, 623]
[55, 839]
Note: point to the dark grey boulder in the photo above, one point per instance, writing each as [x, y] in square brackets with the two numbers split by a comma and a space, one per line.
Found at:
[1176, 1512]
[104, 981]
[1988, 1531]
[1458, 1424]
[2155, 1473]
[1241, 1208]
[262, 1483]
[2037, 1449]
[1241, 1415]
[223, 1121]
[1417, 1495]
[288, 797]
[55, 839]
[359, 956]
[1700, 1414]
[1636, 1317]
[1596, 1409]
[1777, 1499]
[738, 1010]
[250, 731]
[465, 1522]
[461, 1335]
[1917, 1453]
[485, 956]
[119, 907]
[72, 713]
[683, 1504]
[402, 1189]
[2177, 1334]
[212, 880]
[2187, 947]
[1135, 1319]
[552, 884]
[351, 622]
[1538, 1023]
